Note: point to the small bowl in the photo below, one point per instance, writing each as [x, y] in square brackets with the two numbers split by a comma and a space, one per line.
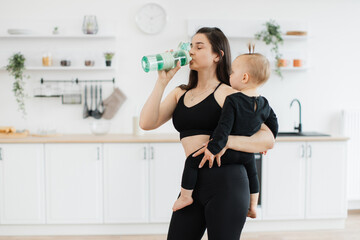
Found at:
[89, 63]
[100, 127]
[65, 63]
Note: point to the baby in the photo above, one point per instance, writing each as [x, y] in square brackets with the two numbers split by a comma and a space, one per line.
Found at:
[242, 114]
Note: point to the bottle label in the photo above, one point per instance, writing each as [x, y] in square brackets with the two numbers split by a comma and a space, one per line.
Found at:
[168, 60]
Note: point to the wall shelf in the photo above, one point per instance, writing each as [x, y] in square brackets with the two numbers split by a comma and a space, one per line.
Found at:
[293, 69]
[49, 36]
[285, 37]
[66, 69]
[70, 68]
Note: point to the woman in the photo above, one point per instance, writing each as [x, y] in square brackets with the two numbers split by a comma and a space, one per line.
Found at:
[221, 196]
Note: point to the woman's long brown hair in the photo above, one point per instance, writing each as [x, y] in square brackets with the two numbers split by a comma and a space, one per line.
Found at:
[219, 42]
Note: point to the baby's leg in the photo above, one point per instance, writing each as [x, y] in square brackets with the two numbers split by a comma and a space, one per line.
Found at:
[184, 200]
[250, 167]
[254, 197]
[188, 181]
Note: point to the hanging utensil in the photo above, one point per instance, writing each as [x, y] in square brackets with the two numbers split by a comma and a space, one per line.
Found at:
[91, 97]
[71, 94]
[96, 114]
[101, 103]
[86, 109]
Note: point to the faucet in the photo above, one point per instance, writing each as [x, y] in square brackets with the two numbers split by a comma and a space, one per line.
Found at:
[299, 126]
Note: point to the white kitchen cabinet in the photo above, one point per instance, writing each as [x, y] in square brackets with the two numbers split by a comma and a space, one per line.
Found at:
[283, 195]
[126, 183]
[326, 176]
[22, 184]
[305, 180]
[166, 167]
[73, 183]
[141, 181]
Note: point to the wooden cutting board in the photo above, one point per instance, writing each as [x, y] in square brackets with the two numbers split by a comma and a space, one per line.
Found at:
[23, 134]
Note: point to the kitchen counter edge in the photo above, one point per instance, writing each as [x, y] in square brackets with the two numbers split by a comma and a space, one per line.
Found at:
[146, 138]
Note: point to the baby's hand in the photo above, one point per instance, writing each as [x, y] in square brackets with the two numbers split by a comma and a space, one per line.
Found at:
[207, 156]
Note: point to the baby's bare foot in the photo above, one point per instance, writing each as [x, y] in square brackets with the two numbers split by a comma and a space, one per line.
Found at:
[252, 213]
[182, 202]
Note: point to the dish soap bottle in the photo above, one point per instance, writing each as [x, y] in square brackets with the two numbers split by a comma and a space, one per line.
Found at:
[167, 60]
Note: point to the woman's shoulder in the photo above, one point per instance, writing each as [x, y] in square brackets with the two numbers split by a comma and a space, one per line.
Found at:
[222, 92]
[226, 90]
[178, 92]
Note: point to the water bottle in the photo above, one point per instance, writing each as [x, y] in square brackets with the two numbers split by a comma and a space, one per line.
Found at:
[167, 60]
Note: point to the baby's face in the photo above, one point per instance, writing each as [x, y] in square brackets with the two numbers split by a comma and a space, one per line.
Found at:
[237, 73]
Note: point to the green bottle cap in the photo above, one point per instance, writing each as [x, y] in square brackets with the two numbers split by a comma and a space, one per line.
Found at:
[184, 46]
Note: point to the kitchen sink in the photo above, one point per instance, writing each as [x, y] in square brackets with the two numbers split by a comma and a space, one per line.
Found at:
[302, 134]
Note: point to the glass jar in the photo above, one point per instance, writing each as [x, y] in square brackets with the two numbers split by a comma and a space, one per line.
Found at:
[47, 60]
[90, 25]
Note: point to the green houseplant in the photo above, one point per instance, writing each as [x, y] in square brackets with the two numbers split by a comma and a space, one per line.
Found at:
[16, 69]
[108, 57]
[271, 35]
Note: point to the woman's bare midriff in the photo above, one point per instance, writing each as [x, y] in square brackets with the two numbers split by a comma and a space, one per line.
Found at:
[193, 143]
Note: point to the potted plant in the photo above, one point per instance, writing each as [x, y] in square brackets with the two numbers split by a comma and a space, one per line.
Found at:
[108, 57]
[56, 30]
[272, 36]
[16, 69]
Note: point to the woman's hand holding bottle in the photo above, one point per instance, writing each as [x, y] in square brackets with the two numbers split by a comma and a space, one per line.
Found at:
[165, 76]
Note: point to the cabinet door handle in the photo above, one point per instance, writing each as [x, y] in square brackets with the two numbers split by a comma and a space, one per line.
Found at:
[302, 151]
[152, 153]
[1, 154]
[310, 151]
[144, 149]
[98, 153]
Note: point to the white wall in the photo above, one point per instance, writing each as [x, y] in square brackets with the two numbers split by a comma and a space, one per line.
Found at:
[331, 84]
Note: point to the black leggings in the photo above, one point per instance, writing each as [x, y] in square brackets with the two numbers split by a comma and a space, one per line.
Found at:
[221, 201]
[191, 168]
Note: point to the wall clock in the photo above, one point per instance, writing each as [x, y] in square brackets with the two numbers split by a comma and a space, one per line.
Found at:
[151, 18]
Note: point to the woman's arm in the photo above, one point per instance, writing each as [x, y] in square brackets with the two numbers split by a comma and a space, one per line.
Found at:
[155, 113]
[261, 141]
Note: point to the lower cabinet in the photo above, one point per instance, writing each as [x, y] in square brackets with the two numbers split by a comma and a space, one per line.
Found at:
[141, 181]
[126, 183]
[73, 183]
[326, 180]
[22, 184]
[305, 180]
[166, 166]
[283, 181]
[114, 183]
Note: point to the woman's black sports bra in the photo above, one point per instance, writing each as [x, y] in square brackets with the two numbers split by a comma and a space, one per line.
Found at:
[199, 119]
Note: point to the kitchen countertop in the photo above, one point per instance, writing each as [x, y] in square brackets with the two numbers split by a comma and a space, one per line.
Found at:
[146, 138]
